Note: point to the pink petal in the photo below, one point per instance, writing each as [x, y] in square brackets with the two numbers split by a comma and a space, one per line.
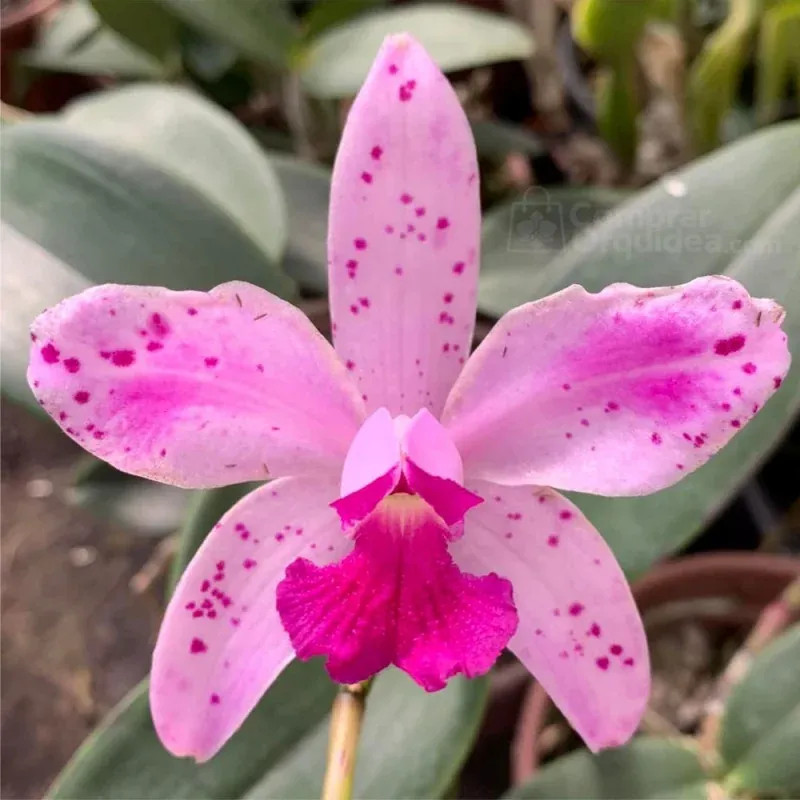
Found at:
[192, 388]
[579, 631]
[619, 393]
[398, 598]
[404, 233]
[221, 643]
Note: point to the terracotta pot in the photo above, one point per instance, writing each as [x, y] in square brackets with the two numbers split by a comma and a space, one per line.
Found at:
[737, 586]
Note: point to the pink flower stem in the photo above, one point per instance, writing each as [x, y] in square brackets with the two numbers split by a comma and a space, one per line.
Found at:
[346, 718]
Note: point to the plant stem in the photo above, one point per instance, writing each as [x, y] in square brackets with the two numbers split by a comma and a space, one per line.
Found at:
[346, 717]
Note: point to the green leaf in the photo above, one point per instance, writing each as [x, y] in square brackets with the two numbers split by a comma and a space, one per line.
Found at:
[260, 30]
[412, 745]
[522, 237]
[761, 724]
[182, 134]
[778, 58]
[306, 188]
[125, 760]
[692, 223]
[646, 768]
[74, 39]
[206, 509]
[144, 24]
[610, 29]
[336, 63]
[80, 211]
[716, 72]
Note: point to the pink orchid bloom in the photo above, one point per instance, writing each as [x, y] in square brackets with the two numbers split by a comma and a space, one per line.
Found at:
[408, 521]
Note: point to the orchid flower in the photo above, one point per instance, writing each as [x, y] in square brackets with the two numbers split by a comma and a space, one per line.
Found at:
[408, 519]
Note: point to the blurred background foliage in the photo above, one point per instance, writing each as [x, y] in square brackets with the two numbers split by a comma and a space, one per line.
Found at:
[189, 142]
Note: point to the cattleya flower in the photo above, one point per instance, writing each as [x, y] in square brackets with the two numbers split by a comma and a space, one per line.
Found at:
[408, 518]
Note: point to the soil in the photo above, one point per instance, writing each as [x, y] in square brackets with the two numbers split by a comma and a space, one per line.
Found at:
[74, 637]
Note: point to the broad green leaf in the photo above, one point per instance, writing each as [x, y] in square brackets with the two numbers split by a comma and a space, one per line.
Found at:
[761, 725]
[114, 215]
[412, 745]
[74, 39]
[80, 211]
[197, 143]
[143, 23]
[777, 58]
[205, 510]
[123, 759]
[644, 769]
[336, 63]
[306, 188]
[261, 30]
[735, 212]
[716, 72]
[521, 238]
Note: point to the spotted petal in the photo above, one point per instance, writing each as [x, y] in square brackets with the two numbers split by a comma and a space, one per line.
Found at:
[221, 643]
[579, 631]
[618, 393]
[404, 233]
[196, 389]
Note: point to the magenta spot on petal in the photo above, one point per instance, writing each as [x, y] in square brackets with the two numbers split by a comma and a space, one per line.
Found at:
[153, 346]
[628, 662]
[198, 646]
[214, 699]
[656, 438]
[738, 391]
[575, 609]
[777, 381]
[602, 662]
[442, 223]
[248, 563]
[725, 406]
[515, 515]
[594, 630]
[205, 586]
[406, 198]
[360, 244]
[81, 397]
[566, 387]
[458, 267]
[420, 211]
[552, 541]
[735, 423]
[366, 177]
[736, 305]
[448, 298]
[615, 649]
[376, 153]
[612, 406]
[351, 365]
[72, 364]
[50, 354]
[158, 325]
[568, 435]
[210, 361]
[279, 537]
[393, 69]
[191, 311]
[749, 368]
[122, 358]
[162, 453]
[679, 466]
[725, 347]
[565, 515]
